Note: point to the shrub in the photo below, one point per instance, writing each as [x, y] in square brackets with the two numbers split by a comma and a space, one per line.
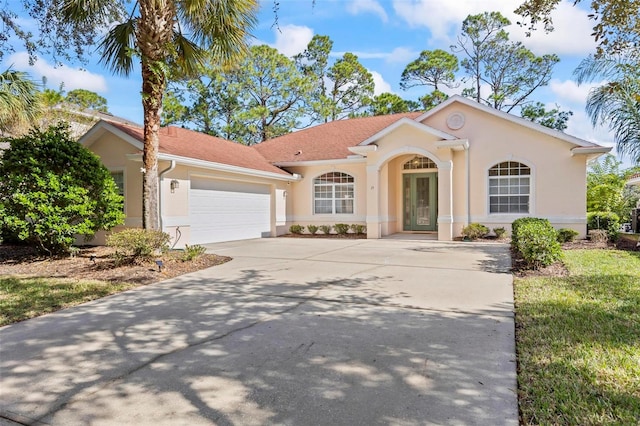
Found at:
[312, 229]
[296, 229]
[137, 245]
[192, 252]
[341, 228]
[608, 221]
[358, 229]
[598, 236]
[473, 231]
[537, 242]
[515, 226]
[500, 232]
[53, 188]
[326, 229]
[566, 235]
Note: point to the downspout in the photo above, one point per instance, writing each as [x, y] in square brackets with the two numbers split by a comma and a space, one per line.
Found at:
[172, 166]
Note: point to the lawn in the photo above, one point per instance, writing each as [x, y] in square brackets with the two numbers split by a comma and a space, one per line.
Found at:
[23, 298]
[578, 341]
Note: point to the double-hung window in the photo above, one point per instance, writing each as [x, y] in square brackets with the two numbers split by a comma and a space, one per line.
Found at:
[509, 188]
[333, 193]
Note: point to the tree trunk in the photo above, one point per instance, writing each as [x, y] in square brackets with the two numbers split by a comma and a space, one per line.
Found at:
[154, 32]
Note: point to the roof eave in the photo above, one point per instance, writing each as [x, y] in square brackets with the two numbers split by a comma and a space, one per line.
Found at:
[336, 161]
[101, 126]
[220, 167]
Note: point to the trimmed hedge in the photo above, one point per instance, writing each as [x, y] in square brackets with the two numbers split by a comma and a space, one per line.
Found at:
[475, 230]
[566, 235]
[536, 241]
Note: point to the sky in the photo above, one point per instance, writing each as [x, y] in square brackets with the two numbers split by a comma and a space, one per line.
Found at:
[385, 35]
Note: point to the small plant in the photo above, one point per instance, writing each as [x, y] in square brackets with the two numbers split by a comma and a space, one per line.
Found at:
[192, 252]
[500, 232]
[341, 228]
[598, 235]
[566, 235]
[326, 229]
[474, 231]
[358, 229]
[608, 221]
[296, 229]
[312, 229]
[537, 241]
[137, 245]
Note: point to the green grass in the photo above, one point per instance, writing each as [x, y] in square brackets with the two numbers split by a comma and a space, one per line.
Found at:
[578, 341]
[24, 298]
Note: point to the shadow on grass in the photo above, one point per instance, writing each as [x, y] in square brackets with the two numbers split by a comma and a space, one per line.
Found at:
[579, 349]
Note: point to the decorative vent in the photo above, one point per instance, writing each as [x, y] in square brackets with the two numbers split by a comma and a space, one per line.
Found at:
[455, 121]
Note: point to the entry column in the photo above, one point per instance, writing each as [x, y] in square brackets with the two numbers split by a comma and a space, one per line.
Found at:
[373, 202]
[445, 201]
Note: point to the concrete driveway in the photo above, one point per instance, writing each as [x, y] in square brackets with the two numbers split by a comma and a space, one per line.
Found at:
[292, 331]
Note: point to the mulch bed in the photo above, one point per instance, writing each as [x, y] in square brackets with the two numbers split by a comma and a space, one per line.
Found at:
[343, 236]
[97, 263]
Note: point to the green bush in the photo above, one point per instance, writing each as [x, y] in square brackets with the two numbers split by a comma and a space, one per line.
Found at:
[296, 229]
[312, 229]
[537, 242]
[326, 229]
[566, 235]
[515, 226]
[136, 245]
[473, 231]
[192, 252]
[341, 228]
[500, 232]
[607, 221]
[53, 188]
[358, 229]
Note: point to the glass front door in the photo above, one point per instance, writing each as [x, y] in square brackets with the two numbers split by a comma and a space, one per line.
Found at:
[420, 198]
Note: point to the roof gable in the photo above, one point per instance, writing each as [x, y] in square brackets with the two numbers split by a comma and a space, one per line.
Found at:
[411, 123]
[509, 117]
[188, 144]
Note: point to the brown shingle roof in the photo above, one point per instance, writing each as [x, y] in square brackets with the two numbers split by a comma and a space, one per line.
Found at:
[200, 146]
[329, 141]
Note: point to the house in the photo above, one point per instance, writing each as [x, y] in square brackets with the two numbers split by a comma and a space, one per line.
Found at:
[432, 172]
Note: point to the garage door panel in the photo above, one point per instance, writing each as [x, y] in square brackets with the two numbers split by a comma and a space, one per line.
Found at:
[227, 211]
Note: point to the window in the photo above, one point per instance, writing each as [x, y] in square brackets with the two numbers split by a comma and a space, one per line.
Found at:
[118, 178]
[333, 193]
[509, 188]
[419, 162]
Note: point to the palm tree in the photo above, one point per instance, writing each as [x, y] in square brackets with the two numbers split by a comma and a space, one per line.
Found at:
[165, 35]
[617, 102]
[18, 100]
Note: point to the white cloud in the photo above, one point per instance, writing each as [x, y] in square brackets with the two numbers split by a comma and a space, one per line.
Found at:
[397, 55]
[73, 78]
[444, 20]
[292, 39]
[381, 86]
[569, 91]
[355, 7]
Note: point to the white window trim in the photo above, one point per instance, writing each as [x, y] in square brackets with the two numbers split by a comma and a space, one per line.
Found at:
[333, 206]
[532, 189]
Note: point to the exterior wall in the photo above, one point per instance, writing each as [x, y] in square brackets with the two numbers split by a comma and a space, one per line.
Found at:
[558, 179]
[300, 195]
[112, 152]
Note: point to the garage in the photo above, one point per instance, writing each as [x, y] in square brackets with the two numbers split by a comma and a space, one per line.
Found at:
[227, 210]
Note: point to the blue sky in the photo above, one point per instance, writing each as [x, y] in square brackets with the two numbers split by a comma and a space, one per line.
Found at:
[385, 34]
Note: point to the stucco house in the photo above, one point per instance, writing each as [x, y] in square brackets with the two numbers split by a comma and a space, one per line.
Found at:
[431, 172]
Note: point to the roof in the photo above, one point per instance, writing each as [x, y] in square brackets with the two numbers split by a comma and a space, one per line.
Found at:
[512, 118]
[328, 141]
[185, 143]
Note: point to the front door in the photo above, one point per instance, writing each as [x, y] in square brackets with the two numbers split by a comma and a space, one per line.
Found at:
[420, 205]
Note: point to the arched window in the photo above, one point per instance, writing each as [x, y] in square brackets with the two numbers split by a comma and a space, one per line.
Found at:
[509, 187]
[419, 162]
[333, 193]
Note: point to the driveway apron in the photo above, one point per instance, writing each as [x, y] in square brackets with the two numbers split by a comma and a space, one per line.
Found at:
[292, 331]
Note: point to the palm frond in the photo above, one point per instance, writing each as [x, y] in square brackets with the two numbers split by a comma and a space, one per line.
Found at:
[18, 99]
[119, 47]
[189, 56]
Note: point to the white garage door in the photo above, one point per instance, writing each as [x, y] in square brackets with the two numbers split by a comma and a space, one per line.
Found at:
[228, 211]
